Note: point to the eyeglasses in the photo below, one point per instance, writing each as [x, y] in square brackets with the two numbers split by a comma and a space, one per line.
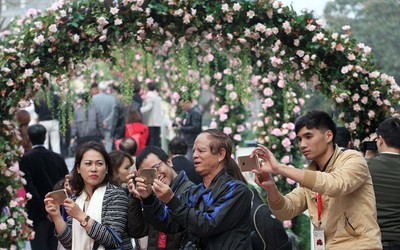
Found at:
[156, 166]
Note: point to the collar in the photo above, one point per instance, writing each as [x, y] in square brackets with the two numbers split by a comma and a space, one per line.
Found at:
[313, 165]
[390, 153]
[37, 145]
[178, 155]
[326, 164]
[177, 182]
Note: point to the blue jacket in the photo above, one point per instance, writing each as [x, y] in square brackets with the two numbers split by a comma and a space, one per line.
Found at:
[217, 217]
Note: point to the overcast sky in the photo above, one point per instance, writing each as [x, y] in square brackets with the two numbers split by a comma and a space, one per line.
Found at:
[316, 6]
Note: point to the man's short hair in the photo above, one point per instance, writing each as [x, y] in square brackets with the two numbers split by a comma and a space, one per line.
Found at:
[151, 86]
[389, 129]
[128, 145]
[159, 152]
[316, 119]
[343, 137]
[37, 134]
[178, 146]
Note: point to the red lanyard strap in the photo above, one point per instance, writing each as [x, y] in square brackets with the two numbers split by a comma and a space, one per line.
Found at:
[319, 201]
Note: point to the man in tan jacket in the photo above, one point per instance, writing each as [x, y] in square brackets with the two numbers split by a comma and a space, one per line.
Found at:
[336, 188]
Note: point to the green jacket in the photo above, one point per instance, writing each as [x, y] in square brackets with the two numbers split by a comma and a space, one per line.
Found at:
[384, 170]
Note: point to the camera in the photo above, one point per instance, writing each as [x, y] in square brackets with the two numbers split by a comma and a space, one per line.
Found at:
[370, 145]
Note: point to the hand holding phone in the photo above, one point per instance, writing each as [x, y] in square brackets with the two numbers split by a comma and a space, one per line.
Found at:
[148, 174]
[247, 163]
[58, 196]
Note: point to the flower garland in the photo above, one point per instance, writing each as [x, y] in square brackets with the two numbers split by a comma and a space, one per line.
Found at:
[267, 47]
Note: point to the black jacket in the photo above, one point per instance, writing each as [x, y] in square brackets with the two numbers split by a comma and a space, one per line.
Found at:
[118, 126]
[42, 168]
[217, 217]
[138, 227]
[191, 125]
[46, 112]
[268, 232]
[180, 162]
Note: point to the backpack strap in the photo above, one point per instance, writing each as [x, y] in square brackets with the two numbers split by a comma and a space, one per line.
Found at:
[254, 218]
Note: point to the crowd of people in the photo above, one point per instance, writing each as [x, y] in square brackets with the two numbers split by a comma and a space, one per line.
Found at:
[199, 198]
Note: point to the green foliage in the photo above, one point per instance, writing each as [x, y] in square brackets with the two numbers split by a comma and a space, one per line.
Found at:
[373, 22]
[241, 47]
[302, 230]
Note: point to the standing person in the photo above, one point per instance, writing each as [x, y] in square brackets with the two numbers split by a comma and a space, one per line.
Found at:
[106, 104]
[23, 119]
[268, 232]
[336, 187]
[96, 207]
[385, 170]
[216, 213]
[128, 145]
[136, 129]
[177, 148]
[152, 115]
[137, 100]
[121, 165]
[47, 116]
[120, 111]
[190, 126]
[94, 89]
[343, 138]
[155, 157]
[88, 122]
[43, 169]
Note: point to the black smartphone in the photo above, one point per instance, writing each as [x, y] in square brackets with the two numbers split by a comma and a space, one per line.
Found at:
[370, 145]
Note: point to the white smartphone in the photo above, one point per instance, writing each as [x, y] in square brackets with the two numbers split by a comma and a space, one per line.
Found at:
[247, 164]
[58, 196]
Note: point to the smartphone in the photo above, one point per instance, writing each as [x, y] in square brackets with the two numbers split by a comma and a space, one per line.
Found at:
[370, 145]
[58, 196]
[148, 174]
[247, 164]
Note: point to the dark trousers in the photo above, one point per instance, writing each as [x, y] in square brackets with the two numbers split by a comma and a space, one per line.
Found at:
[44, 236]
[154, 137]
[389, 245]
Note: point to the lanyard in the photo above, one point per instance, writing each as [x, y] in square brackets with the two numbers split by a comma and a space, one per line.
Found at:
[319, 202]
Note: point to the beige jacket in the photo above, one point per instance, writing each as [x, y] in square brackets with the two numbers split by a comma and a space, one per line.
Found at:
[349, 211]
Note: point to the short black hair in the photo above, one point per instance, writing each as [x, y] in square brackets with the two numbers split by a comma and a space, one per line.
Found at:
[159, 152]
[343, 137]
[316, 119]
[128, 145]
[37, 134]
[151, 86]
[178, 145]
[389, 130]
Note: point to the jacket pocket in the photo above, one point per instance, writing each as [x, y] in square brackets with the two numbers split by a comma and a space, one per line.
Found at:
[351, 225]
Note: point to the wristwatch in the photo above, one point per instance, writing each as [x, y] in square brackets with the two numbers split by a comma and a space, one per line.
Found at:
[85, 221]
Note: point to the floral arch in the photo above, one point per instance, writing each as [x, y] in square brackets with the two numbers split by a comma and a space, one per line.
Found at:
[239, 49]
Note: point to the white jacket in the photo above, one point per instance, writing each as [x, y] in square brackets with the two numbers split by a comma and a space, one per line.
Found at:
[151, 110]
